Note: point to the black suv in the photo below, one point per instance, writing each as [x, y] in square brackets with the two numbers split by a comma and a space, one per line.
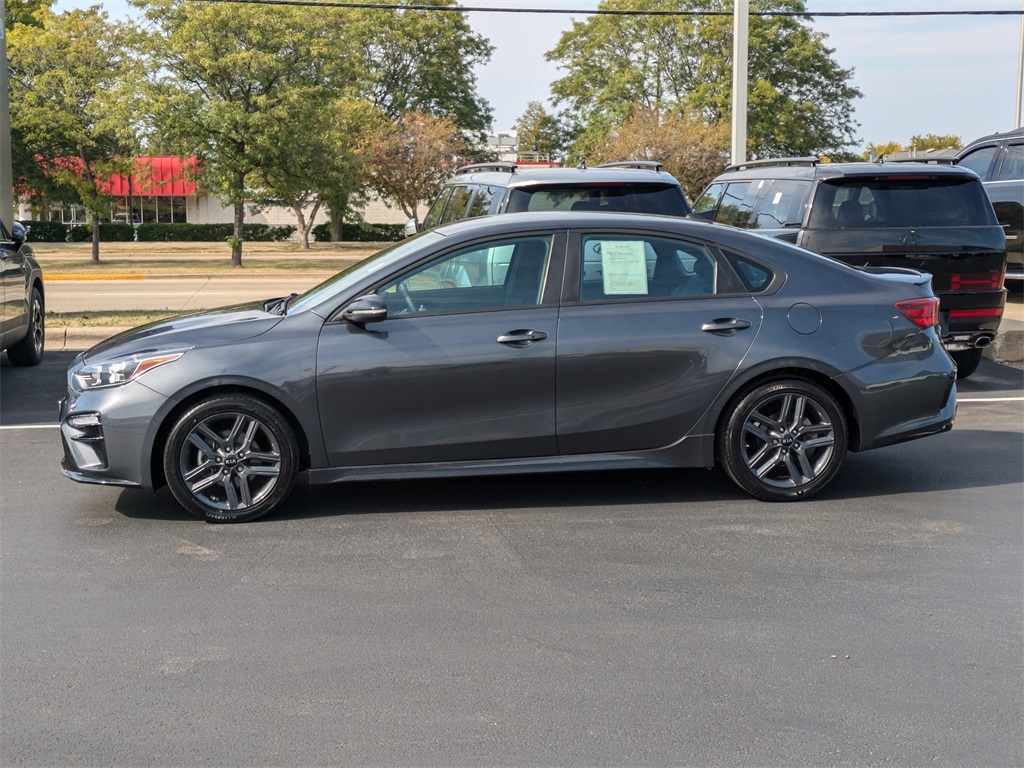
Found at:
[932, 218]
[999, 161]
[485, 189]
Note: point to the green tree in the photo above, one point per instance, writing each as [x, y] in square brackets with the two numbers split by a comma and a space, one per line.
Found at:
[71, 103]
[688, 148]
[799, 99]
[882, 149]
[422, 61]
[229, 80]
[412, 159]
[321, 165]
[540, 131]
[24, 12]
[933, 141]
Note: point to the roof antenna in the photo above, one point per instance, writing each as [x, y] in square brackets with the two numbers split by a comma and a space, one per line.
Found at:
[583, 164]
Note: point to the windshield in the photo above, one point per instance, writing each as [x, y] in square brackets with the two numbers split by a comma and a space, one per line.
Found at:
[359, 271]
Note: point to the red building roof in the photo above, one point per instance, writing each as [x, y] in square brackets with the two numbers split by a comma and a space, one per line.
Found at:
[158, 175]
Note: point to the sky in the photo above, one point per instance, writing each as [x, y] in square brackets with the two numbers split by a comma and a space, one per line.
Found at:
[942, 75]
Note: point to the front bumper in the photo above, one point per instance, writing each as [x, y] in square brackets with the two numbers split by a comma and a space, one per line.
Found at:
[108, 434]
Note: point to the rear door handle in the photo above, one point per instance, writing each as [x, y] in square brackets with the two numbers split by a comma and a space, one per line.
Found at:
[521, 338]
[725, 326]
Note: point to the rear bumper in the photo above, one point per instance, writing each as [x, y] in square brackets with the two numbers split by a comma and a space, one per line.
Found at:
[925, 403]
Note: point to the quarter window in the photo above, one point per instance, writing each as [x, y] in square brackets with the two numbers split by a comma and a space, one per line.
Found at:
[480, 205]
[782, 205]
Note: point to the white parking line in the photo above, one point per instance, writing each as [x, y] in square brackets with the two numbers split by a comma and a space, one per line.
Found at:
[30, 426]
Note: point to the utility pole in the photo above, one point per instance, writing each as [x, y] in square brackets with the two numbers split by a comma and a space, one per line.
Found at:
[1020, 68]
[740, 38]
[6, 171]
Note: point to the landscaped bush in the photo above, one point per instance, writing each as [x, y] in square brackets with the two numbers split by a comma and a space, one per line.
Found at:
[212, 232]
[109, 233]
[361, 233]
[47, 231]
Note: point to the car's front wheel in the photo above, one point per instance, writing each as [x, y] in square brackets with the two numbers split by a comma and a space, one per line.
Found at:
[783, 440]
[29, 351]
[231, 458]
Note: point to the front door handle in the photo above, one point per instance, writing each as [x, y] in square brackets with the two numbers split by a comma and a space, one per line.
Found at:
[725, 326]
[521, 338]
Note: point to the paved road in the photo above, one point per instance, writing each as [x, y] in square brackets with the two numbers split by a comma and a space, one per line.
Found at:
[180, 294]
[655, 618]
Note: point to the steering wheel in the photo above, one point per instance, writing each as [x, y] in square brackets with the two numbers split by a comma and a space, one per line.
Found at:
[402, 289]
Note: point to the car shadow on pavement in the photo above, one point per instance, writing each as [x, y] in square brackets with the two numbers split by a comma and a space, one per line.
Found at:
[893, 471]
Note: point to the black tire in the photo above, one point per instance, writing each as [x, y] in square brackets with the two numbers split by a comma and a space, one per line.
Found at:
[966, 361]
[29, 351]
[783, 440]
[231, 458]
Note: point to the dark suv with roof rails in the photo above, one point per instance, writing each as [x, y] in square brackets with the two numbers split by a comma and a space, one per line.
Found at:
[999, 161]
[485, 189]
[933, 218]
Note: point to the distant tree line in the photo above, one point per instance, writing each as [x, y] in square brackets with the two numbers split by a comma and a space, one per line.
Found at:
[317, 108]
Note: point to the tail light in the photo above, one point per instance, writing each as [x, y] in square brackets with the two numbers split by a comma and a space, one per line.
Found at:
[975, 313]
[982, 281]
[924, 312]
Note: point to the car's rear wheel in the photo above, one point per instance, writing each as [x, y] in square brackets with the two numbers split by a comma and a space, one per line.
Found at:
[967, 361]
[231, 458]
[29, 351]
[783, 440]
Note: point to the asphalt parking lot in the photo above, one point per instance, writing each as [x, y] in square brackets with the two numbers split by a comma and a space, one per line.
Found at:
[632, 618]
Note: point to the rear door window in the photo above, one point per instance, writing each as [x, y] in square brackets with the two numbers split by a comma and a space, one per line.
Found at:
[621, 267]
[980, 160]
[1013, 163]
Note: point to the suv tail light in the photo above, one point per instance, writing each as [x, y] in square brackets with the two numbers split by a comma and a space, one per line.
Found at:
[982, 281]
[924, 312]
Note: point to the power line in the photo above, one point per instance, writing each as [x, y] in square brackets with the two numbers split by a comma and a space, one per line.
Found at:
[606, 11]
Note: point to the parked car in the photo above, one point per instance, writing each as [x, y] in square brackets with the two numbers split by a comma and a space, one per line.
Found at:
[485, 189]
[728, 348]
[21, 287]
[999, 161]
[928, 217]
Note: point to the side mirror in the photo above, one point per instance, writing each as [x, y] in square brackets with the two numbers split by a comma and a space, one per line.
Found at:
[19, 233]
[366, 309]
[410, 228]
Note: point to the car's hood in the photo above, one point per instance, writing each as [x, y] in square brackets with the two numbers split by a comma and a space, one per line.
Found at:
[217, 326]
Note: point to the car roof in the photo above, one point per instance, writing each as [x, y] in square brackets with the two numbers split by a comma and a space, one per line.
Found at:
[1016, 133]
[513, 223]
[513, 175]
[804, 168]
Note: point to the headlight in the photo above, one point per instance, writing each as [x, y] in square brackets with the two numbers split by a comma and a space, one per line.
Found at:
[114, 373]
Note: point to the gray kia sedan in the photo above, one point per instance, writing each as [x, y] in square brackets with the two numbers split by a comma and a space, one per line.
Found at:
[518, 344]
